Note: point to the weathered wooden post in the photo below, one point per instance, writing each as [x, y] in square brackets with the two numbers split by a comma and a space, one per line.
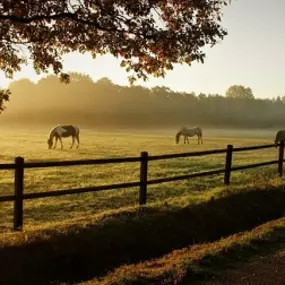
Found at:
[228, 164]
[143, 178]
[19, 191]
[281, 158]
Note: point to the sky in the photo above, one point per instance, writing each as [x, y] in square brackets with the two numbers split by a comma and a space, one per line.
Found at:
[251, 55]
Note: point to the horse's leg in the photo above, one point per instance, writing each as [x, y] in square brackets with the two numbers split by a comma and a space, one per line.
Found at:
[199, 139]
[61, 142]
[55, 144]
[188, 140]
[72, 142]
[77, 138]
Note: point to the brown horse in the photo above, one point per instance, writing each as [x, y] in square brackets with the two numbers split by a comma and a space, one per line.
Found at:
[280, 136]
[63, 131]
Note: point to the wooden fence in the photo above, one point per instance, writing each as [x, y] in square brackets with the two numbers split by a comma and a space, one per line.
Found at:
[20, 165]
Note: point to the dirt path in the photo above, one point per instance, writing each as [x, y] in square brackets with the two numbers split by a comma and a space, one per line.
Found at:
[264, 270]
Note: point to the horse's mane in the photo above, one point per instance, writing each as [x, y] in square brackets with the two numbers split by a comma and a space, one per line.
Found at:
[179, 133]
[188, 128]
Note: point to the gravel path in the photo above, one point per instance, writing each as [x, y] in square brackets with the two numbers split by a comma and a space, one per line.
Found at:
[265, 270]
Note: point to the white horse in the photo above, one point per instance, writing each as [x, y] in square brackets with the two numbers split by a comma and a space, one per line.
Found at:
[63, 131]
[189, 132]
[280, 136]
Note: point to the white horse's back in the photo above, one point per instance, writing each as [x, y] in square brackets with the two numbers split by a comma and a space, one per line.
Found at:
[190, 132]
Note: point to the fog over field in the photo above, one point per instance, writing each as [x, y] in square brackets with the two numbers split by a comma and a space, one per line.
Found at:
[104, 106]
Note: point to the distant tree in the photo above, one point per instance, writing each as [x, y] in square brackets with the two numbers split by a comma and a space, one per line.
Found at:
[202, 96]
[80, 77]
[160, 92]
[185, 95]
[239, 92]
[22, 84]
[277, 100]
[50, 80]
[104, 81]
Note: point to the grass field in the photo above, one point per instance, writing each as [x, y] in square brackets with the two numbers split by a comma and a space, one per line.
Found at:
[32, 146]
[91, 237]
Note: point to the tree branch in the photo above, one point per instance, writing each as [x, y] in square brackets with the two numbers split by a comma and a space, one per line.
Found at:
[68, 16]
[64, 15]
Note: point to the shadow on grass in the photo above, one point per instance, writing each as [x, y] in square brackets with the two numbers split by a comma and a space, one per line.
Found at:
[82, 253]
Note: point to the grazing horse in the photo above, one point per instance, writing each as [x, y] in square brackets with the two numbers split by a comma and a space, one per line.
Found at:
[190, 132]
[280, 136]
[63, 131]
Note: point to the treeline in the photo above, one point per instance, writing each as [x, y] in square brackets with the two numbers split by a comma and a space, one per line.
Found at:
[103, 103]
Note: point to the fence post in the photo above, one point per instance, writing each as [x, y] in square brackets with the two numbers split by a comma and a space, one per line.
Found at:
[281, 158]
[228, 164]
[19, 191]
[143, 178]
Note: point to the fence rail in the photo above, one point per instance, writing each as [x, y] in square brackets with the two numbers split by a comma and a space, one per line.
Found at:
[20, 165]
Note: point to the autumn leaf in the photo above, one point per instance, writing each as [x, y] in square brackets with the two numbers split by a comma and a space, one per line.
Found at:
[188, 59]
[123, 63]
[132, 79]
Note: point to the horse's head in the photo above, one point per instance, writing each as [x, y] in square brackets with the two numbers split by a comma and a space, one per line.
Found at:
[276, 142]
[278, 137]
[177, 137]
[49, 141]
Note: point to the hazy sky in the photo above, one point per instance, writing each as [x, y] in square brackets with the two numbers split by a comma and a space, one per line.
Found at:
[252, 55]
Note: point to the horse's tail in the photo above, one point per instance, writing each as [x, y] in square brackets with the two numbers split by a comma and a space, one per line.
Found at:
[78, 134]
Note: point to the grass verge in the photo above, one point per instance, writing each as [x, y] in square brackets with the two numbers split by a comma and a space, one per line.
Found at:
[87, 249]
[199, 262]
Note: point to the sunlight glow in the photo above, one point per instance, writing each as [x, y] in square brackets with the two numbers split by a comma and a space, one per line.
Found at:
[249, 56]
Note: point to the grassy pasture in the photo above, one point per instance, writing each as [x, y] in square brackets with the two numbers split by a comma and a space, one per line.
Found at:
[31, 144]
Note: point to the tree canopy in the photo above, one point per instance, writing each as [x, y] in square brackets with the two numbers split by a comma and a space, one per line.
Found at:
[239, 92]
[4, 97]
[148, 35]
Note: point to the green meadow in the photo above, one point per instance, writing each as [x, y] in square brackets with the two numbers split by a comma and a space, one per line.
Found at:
[31, 144]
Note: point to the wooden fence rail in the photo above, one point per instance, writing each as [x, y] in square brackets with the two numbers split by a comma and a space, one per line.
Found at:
[20, 165]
